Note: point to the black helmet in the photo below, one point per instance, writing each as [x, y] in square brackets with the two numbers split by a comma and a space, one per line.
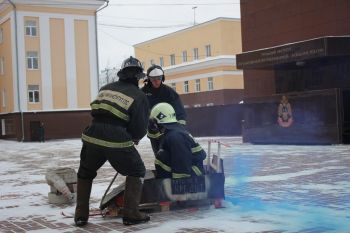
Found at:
[132, 64]
[155, 71]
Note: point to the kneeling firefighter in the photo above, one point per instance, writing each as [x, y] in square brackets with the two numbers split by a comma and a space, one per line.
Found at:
[157, 92]
[120, 117]
[179, 155]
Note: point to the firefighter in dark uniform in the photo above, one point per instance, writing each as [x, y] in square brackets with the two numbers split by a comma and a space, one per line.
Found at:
[120, 117]
[179, 155]
[157, 92]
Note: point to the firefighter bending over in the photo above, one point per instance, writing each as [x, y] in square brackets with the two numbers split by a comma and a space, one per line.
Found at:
[120, 116]
[179, 155]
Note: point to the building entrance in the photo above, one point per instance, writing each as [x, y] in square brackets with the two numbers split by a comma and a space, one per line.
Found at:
[34, 130]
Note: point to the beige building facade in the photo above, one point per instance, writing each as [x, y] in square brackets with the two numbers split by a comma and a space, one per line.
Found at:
[48, 63]
[199, 62]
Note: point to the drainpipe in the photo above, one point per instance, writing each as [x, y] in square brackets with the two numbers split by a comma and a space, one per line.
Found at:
[17, 70]
[98, 66]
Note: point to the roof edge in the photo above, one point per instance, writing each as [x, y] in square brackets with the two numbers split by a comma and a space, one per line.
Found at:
[188, 28]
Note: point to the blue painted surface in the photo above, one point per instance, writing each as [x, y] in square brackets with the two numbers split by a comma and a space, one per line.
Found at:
[306, 203]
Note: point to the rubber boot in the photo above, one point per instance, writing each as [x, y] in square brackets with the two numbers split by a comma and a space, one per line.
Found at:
[132, 196]
[83, 196]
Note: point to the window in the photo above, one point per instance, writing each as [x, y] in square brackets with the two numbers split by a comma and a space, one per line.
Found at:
[173, 86]
[2, 65]
[195, 54]
[33, 93]
[151, 61]
[161, 61]
[198, 85]
[32, 60]
[3, 127]
[1, 35]
[210, 84]
[3, 98]
[186, 87]
[207, 51]
[30, 28]
[184, 56]
[172, 59]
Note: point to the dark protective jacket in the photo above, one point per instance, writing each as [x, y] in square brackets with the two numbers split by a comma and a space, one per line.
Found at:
[165, 94]
[120, 116]
[158, 95]
[179, 155]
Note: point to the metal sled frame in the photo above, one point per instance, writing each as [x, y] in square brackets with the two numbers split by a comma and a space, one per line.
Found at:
[171, 194]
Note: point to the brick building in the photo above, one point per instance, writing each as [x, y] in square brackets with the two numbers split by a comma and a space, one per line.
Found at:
[299, 49]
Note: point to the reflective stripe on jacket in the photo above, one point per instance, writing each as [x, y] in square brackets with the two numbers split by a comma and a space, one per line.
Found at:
[179, 154]
[120, 113]
[104, 143]
[166, 168]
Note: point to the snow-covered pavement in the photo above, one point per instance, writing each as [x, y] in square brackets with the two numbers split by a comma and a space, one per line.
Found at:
[269, 188]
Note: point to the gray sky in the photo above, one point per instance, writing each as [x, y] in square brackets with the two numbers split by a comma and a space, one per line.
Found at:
[127, 22]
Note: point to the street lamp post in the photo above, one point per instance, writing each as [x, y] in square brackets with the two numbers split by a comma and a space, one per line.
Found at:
[194, 14]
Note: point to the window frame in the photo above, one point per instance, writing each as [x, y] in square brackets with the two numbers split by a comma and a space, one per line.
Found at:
[1, 35]
[210, 83]
[195, 54]
[32, 29]
[186, 87]
[3, 94]
[197, 85]
[2, 66]
[172, 60]
[33, 94]
[208, 50]
[31, 60]
[184, 56]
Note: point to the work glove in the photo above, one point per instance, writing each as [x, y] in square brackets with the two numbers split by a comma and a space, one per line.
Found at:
[153, 126]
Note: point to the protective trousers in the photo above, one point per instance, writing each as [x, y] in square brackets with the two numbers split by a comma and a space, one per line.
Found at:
[127, 162]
